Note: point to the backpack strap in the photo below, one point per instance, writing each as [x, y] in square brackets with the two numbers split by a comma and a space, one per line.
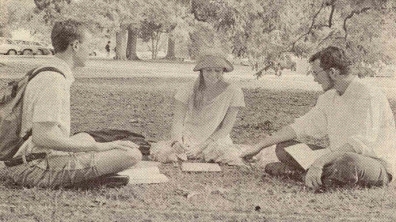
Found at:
[31, 74]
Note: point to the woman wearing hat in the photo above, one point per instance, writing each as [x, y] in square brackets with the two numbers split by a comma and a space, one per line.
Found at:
[204, 114]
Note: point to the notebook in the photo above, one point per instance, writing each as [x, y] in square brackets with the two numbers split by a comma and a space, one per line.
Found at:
[145, 172]
[304, 155]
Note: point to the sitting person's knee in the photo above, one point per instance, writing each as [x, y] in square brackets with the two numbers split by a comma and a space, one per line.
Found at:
[284, 156]
[345, 160]
[134, 155]
[83, 137]
[286, 144]
[343, 171]
[280, 149]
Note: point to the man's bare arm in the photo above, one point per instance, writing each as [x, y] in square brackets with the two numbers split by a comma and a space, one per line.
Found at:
[48, 134]
[285, 134]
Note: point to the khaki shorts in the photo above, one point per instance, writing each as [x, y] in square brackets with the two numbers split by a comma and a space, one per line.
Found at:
[55, 171]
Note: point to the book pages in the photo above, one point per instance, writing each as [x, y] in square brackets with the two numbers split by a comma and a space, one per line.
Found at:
[304, 155]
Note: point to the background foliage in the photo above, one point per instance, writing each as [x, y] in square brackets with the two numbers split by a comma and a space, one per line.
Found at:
[253, 29]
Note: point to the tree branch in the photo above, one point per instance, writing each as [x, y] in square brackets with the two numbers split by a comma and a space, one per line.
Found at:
[310, 28]
[354, 12]
[326, 38]
[331, 15]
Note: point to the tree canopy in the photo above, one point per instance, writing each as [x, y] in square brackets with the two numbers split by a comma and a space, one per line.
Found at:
[254, 29]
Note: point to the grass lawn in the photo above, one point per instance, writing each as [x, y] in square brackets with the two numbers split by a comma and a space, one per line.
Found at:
[143, 104]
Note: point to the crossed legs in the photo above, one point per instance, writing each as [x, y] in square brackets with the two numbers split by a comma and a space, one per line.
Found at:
[66, 170]
[350, 169]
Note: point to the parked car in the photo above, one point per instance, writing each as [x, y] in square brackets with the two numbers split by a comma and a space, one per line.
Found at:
[34, 48]
[9, 47]
[26, 48]
[42, 48]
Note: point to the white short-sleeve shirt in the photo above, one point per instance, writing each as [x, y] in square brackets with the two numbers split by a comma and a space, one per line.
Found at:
[47, 99]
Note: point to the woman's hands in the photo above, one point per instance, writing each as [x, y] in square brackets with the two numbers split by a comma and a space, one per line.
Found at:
[179, 150]
[195, 151]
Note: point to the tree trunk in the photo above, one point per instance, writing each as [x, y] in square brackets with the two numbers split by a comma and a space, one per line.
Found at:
[157, 39]
[120, 45]
[152, 47]
[170, 54]
[131, 45]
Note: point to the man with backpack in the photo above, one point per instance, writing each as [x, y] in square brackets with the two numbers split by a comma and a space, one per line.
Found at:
[50, 157]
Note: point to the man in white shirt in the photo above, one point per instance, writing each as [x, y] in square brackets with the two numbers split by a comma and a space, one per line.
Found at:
[67, 160]
[358, 121]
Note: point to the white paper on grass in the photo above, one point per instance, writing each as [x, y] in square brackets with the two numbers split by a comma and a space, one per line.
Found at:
[148, 174]
[304, 155]
[200, 167]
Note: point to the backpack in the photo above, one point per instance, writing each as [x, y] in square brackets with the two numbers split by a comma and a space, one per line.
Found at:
[11, 102]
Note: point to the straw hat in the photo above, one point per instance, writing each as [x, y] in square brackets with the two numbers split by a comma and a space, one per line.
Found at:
[211, 61]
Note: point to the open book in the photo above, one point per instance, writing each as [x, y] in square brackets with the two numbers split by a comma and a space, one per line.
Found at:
[304, 155]
[145, 172]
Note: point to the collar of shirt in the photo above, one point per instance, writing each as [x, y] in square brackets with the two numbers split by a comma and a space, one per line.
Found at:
[350, 90]
[64, 67]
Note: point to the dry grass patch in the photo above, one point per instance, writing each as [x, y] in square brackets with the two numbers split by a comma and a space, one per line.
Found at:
[144, 105]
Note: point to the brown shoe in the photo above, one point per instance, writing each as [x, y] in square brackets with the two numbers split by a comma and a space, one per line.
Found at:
[278, 169]
[113, 180]
[108, 181]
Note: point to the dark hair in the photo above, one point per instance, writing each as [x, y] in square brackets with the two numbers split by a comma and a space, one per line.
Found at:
[65, 32]
[199, 87]
[332, 57]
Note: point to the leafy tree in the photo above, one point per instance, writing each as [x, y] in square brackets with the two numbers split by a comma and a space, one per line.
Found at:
[50, 9]
[159, 17]
[106, 17]
[179, 27]
[259, 30]
[363, 24]
[4, 20]
[264, 30]
[358, 26]
[210, 28]
[123, 13]
[151, 31]
[21, 14]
